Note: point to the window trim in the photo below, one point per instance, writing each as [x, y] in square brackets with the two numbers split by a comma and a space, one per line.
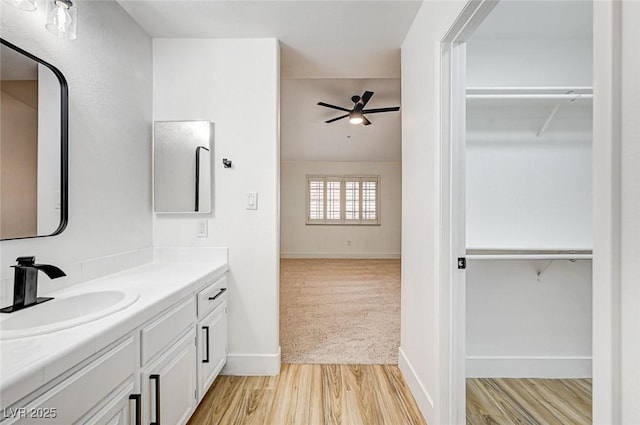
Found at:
[342, 179]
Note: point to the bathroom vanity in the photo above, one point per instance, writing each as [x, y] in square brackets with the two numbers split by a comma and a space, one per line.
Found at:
[149, 360]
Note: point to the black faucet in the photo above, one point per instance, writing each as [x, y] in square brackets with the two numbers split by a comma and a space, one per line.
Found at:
[25, 284]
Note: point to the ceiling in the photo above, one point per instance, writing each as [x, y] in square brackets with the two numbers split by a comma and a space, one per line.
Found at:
[330, 51]
[306, 137]
[319, 38]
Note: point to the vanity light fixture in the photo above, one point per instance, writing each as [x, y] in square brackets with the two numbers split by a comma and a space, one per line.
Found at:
[62, 18]
[27, 5]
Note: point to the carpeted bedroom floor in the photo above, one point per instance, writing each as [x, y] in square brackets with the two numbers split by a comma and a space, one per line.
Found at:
[339, 311]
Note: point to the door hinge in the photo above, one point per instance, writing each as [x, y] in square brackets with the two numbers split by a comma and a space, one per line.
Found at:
[462, 263]
[195, 394]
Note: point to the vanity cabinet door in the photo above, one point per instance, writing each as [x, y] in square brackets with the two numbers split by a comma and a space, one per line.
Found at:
[212, 347]
[169, 384]
[76, 397]
[122, 407]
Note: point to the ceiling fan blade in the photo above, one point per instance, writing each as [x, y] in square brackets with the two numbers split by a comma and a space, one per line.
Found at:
[336, 119]
[365, 97]
[365, 121]
[339, 108]
[376, 110]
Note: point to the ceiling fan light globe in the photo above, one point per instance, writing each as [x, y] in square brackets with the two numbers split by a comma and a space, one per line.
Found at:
[356, 120]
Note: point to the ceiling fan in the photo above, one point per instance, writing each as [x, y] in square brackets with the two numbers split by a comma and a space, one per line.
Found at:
[356, 115]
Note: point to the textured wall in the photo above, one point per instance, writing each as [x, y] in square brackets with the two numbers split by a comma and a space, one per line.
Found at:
[108, 69]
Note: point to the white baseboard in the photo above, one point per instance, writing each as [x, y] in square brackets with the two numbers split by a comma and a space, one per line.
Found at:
[346, 255]
[252, 364]
[420, 393]
[528, 367]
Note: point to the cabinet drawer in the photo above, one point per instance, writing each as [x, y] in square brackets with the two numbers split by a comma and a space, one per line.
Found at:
[164, 330]
[212, 296]
[71, 399]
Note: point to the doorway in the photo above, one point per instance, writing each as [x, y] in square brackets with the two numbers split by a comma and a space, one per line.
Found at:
[519, 149]
[340, 223]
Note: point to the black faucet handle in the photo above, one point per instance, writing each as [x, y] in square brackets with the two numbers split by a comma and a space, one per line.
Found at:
[52, 271]
[26, 261]
[29, 262]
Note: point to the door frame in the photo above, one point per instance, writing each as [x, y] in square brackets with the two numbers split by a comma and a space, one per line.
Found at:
[452, 237]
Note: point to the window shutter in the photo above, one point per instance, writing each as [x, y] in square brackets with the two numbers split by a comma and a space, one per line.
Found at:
[343, 200]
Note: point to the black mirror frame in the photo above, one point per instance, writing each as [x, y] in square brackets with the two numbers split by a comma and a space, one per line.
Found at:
[64, 142]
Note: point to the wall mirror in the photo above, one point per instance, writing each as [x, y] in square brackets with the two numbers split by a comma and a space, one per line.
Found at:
[182, 158]
[33, 146]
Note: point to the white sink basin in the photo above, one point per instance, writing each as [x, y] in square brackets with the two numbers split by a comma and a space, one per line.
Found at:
[64, 311]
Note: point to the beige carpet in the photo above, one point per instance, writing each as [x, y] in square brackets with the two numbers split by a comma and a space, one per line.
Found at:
[340, 311]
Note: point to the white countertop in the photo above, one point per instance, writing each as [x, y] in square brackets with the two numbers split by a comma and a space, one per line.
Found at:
[28, 363]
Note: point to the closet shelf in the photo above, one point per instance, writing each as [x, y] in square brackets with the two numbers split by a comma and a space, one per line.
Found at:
[524, 93]
[571, 255]
[529, 112]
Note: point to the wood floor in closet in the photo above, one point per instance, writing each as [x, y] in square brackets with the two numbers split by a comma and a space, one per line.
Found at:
[311, 395]
[529, 401]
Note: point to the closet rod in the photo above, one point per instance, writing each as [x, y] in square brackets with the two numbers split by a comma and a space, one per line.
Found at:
[530, 90]
[560, 96]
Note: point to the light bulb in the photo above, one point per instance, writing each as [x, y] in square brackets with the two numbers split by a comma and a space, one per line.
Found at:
[356, 120]
[27, 5]
[61, 19]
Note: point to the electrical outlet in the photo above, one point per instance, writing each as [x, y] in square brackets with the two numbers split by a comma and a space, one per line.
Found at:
[203, 229]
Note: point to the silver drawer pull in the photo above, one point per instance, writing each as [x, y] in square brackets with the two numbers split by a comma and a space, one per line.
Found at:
[220, 292]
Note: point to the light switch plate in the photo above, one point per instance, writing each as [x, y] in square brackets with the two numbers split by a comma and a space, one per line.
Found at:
[252, 200]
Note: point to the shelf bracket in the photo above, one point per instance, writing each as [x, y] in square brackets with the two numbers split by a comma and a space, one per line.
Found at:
[544, 269]
[548, 120]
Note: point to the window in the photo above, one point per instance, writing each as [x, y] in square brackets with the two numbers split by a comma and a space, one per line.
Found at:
[343, 200]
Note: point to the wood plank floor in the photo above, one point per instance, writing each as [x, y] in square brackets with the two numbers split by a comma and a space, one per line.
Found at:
[311, 395]
[529, 401]
[339, 311]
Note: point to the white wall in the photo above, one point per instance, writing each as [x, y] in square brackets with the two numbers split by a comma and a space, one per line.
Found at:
[299, 240]
[546, 62]
[616, 163]
[108, 69]
[528, 194]
[630, 219]
[419, 358]
[235, 84]
[518, 326]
